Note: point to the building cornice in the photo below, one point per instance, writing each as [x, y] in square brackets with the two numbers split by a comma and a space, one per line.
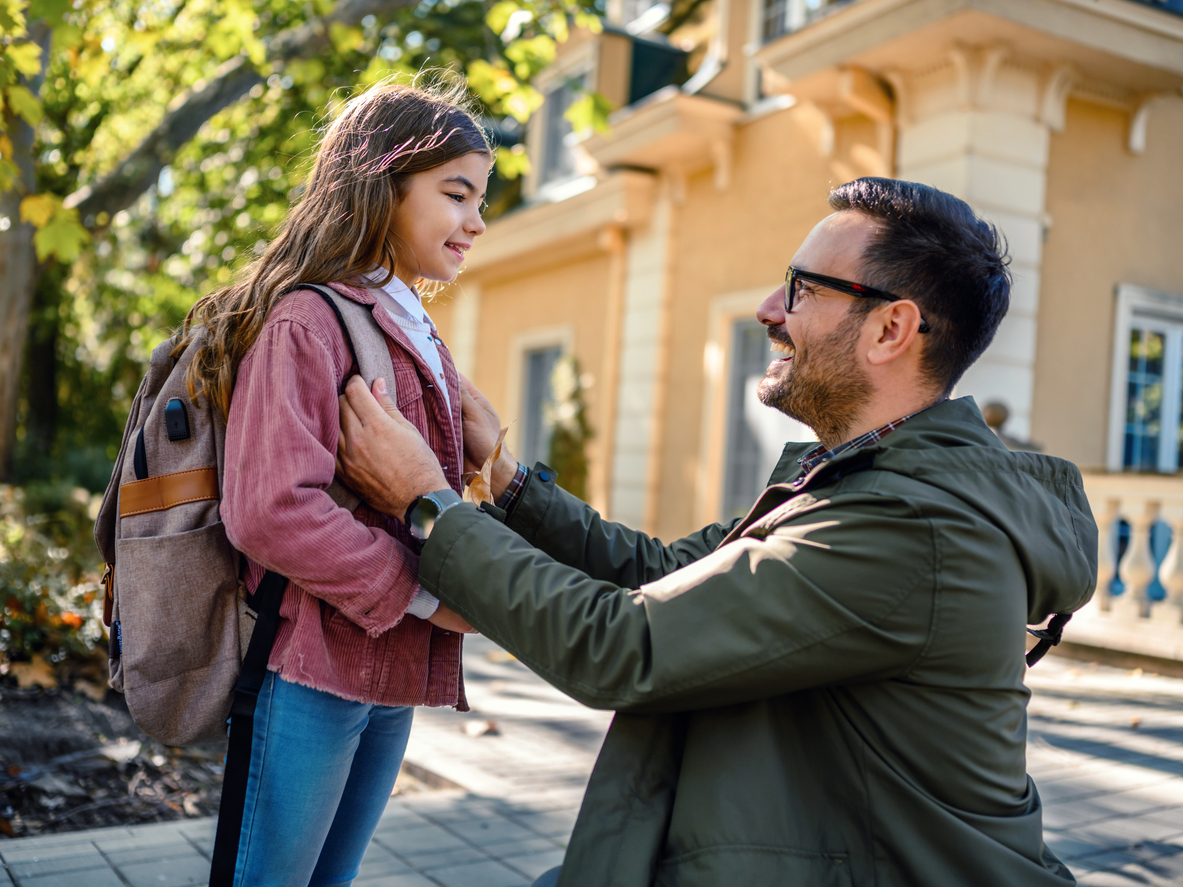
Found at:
[541, 233]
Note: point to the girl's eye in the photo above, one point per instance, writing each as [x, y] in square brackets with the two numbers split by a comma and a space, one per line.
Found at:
[459, 198]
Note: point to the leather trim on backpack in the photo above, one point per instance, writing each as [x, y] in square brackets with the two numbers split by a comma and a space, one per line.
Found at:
[166, 490]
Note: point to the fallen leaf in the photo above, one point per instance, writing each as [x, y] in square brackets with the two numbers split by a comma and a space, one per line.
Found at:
[35, 673]
[1135, 723]
[120, 751]
[480, 728]
[500, 656]
[480, 488]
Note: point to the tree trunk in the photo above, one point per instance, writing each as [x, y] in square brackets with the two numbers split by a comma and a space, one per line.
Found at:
[18, 265]
[18, 281]
[41, 384]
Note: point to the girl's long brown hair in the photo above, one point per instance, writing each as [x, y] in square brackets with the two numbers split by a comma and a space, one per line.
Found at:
[341, 227]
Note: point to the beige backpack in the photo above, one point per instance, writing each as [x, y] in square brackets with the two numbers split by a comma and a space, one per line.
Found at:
[181, 621]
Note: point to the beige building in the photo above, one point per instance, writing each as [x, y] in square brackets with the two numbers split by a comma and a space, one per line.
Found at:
[644, 251]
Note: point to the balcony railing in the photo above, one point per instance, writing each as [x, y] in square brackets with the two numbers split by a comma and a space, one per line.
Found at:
[1138, 604]
[1175, 6]
[785, 16]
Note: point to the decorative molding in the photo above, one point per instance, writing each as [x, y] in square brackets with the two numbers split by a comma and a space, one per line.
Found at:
[1139, 119]
[1053, 105]
[669, 129]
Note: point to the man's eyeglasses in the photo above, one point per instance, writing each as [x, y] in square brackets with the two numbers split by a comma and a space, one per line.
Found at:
[795, 276]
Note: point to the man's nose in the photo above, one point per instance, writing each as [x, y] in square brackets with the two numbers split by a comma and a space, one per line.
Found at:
[772, 310]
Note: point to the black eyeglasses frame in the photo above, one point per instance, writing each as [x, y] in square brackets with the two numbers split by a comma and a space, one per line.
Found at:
[849, 287]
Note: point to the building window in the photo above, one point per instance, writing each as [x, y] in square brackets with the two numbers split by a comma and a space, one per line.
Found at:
[1146, 427]
[537, 424]
[558, 161]
[756, 434]
[785, 16]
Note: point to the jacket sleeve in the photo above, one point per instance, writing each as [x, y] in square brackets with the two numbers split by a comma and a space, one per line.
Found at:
[280, 443]
[841, 593]
[573, 533]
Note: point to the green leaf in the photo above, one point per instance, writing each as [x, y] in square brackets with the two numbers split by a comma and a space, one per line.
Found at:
[62, 238]
[499, 14]
[589, 112]
[65, 37]
[12, 18]
[38, 209]
[24, 104]
[25, 57]
[590, 21]
[513, 162]
[50, 10]
[346, 38]
[8, 174]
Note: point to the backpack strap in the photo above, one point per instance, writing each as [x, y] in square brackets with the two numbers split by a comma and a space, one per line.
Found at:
[367, 342]
[1048, 637]
[265, 601]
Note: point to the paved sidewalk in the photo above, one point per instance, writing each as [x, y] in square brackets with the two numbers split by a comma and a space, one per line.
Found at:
[1105, 748]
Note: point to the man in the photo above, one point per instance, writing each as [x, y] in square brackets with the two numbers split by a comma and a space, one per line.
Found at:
[829, 691]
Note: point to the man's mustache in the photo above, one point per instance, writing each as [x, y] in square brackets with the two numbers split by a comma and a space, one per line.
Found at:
[780, 336]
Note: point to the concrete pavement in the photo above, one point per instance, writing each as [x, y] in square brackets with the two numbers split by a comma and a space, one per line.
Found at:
[1105, 749]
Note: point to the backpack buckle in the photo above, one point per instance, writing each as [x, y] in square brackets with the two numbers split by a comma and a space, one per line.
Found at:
[108, 594]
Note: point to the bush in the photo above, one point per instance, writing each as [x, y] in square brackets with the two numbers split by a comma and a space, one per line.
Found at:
[49, 573]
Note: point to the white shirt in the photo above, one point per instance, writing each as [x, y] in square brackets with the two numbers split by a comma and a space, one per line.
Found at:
[405, 309]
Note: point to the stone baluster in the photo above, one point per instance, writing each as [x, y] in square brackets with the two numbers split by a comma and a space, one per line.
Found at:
[1170, 573]
[1106, 554]
[1137, 568]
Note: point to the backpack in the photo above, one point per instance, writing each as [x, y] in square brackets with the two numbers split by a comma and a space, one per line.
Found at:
[181, 621]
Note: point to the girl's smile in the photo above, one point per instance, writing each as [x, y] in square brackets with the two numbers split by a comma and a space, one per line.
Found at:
[439, 217]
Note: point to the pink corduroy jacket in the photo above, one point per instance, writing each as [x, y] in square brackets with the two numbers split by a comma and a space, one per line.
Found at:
[344, 627]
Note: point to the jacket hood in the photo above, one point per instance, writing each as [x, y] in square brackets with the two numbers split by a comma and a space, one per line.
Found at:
[1038, 501]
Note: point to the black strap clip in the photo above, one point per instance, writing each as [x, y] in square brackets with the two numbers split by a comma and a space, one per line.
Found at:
[1048, 637]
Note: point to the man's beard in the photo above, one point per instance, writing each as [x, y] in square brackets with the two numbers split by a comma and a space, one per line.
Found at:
[824, 387]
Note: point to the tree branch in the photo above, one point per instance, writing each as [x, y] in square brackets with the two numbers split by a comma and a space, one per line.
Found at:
[185, 116]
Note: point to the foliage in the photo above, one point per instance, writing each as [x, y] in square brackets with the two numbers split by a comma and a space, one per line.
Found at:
[566, 412]
[93, 78]
[48, 574]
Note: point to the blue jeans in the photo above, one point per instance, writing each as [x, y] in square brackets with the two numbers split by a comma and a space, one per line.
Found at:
[322, 769]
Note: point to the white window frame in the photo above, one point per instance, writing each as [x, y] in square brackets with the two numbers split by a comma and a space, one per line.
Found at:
[723, 312]
[561, 336]
[1159, 311]
[581, 62]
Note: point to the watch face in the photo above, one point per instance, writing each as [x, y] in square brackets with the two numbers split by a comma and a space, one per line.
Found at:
[421, 517]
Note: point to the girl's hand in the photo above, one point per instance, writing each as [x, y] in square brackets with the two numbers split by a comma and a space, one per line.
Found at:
[481, 427]
[449, 619]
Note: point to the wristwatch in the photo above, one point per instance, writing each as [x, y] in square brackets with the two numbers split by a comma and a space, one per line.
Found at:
[426, 510]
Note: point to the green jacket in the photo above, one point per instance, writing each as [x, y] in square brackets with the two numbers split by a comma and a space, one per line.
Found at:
[829, 692]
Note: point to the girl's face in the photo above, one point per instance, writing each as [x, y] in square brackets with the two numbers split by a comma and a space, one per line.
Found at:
[439, 217]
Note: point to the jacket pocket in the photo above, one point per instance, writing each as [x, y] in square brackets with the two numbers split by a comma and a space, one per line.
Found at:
[755, 865]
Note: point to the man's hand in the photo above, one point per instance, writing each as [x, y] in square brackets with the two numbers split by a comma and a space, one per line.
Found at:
[481, 426]
[450, 619]
[380, 454]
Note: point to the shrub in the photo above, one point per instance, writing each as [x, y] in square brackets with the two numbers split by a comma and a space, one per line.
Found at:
[49, 573]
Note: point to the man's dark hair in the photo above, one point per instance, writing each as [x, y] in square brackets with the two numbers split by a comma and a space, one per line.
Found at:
[932, 248]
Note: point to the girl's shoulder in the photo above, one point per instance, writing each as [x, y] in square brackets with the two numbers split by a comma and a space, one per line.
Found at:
[310, 310]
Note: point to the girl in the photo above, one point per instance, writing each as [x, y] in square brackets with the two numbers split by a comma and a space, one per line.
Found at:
[394, 198]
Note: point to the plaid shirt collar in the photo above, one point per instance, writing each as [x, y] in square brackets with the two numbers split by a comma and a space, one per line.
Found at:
[820, 454]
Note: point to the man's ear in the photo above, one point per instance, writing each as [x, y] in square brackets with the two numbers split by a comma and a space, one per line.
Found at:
[896, 328]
